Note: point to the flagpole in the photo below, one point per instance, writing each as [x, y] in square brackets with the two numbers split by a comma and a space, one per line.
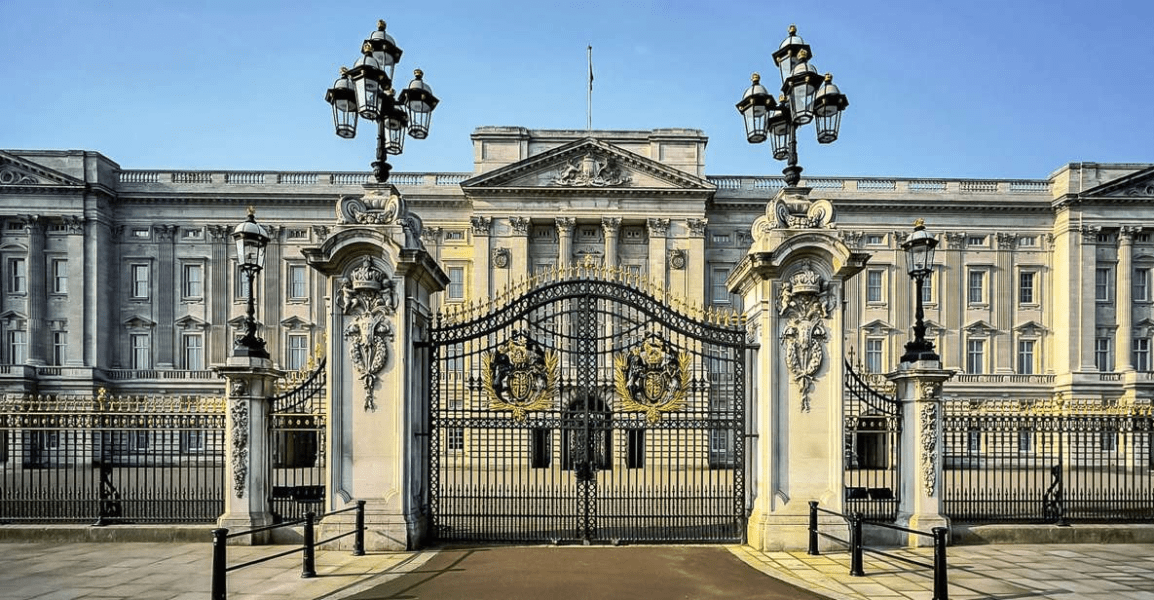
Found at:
[589, 106]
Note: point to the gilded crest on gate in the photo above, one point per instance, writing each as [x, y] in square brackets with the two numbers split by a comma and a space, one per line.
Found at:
[520, 376]
[652, 378]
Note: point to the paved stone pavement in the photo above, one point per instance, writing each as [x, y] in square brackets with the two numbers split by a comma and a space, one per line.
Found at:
[176, 571]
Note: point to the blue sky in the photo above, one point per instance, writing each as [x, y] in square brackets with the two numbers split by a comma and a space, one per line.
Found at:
[1000, 89]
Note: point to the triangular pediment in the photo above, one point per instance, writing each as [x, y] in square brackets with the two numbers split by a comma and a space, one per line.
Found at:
[877, 327]
[139, 322]
[584, 166]
[295, 323]
[979, 328]
[1030, 328]
[1139, 184]
[190, 322]
[16, 171]
[1144, 328]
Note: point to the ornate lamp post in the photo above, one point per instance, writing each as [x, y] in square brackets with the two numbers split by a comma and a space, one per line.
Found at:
[251, 240]
[805, 97]
[920, 255]
[366, 91]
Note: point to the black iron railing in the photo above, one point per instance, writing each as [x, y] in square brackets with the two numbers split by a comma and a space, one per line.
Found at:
[857, 547]
[872, 448]
[220, 537]
[1021, 462]
[108, 460]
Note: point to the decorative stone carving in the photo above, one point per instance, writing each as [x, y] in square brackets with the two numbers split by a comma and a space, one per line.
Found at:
[901, 236]
[369, 297]
[321, 231]
[797, 211]
[1127, 232]
[1007, 241]
[658, 227]
[955, 240]
[430, 235]
[743, 237]
[565, 225]
[610, 225]
[696, 227]
[677, 259]
[73, 225]
[805, 302]
[165, 233]
[852, 239]
[10, 176]
[217, 233]
[1090, 233]
[520, 225]
[929, 445]
[238, 411]
[501, 257]
[376, 207]
[591, 171]
[482, 225]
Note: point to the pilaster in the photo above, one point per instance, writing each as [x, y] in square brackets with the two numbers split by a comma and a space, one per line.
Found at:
[919, 388]
[658, 245]
[165, 295]
[1124, 300]
[38, 333]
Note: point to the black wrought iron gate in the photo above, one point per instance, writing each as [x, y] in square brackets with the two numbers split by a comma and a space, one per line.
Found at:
[584, 409]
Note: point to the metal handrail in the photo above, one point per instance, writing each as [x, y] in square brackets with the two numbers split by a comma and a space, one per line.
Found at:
[857, 547]
[220, 537]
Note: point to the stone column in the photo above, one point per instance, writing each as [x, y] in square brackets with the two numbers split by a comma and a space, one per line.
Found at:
[519, 248]
[271, 293]
[611, 226]
[482, 257]
[38, 334]
[658, 246]
[565, 227]
[792, 281]
[218, 295]
[166, 291]
[381, 279]
[246, 468]
[1087, 306]
[77, 300]
[919, 387]
[1123, 300]
[697, 284]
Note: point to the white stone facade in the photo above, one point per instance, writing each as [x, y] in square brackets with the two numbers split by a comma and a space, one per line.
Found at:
[126, 279]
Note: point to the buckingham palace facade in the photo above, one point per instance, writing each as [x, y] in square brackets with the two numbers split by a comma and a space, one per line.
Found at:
[126, 279]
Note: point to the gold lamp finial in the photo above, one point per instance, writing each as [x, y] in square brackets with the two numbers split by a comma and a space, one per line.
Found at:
[251, 211]
[418, 73]
[380, 24]
[919, 224]
[756, 78]
[792, 29]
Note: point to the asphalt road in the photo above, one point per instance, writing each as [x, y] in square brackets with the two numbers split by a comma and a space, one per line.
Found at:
[585, 573]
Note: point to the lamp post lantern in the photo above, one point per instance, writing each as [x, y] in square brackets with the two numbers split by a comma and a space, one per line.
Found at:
[806, 97]
[251, 240]
[920, 256]
[365, 91]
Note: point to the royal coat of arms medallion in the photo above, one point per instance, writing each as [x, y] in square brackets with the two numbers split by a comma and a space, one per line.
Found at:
[520, 376]
[652, 378]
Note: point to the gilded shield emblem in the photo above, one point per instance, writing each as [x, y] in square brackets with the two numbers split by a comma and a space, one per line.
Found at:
[520, 376]
[652, 378]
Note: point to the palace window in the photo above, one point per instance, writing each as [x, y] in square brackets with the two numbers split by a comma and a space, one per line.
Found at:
[297, 282]
[192, 352]
[874, 282]
[973, 440]
[976, 291]
[139, 276]
[1141, 288]
[635, 448]
[1025, 357]
[1026, 292]
[455, 235]
[721, 239]
[975, 356]
[456, 283]
[298, 234]
[1108, 441]
[1103, 284]
[193, 234]
[928, 289]
[192, 281]
[298, 351]
[1025, 440]
[1028, 241]
[141, 351]
[1103, 354]
[718, 294]
[1141, 354]
[59, 347]
[59, 276]
[17, 346]
[873, 355]
[242, 283]
[875, 239]
[976, 240]
[17, 276]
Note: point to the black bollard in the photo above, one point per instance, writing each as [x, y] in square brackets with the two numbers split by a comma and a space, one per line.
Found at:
[855, 542]
[219, 564]
[812, 529]
[308, 569]
[941, 580]
[359, 538]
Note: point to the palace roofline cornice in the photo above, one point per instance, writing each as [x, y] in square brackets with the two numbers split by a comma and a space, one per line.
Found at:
[1070, 200]
[530, 191]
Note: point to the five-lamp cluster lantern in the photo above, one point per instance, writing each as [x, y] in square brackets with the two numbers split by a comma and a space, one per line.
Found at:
[365, 91]
[251, 240]
[805, 97]
[920, 262]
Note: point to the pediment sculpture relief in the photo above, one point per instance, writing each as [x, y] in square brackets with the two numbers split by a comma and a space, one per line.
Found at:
[805, 302]
[591, 171]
